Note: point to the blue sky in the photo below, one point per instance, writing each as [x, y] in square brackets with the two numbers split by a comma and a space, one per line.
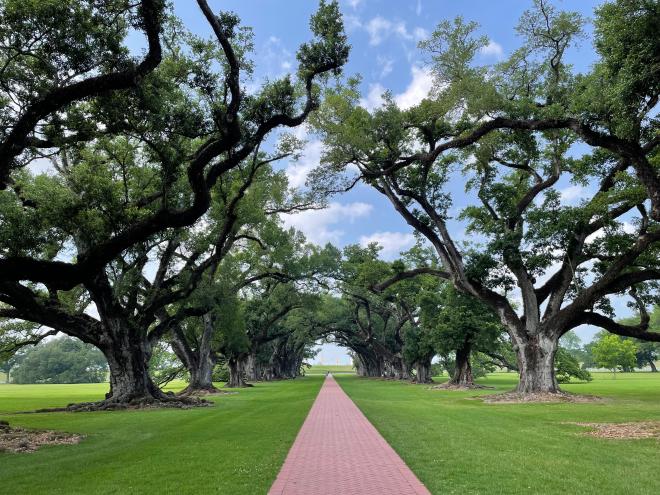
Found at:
[383, 35]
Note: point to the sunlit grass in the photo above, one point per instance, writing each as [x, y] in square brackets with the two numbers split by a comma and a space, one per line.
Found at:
[456, 444]
[235, 447]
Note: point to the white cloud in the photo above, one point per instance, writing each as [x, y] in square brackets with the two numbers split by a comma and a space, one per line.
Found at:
[493, 49]
[419, 88]
[310, 158]
[386, 65]
[374, 97]
[419, 33]
[380, 28]
[391, 242]
[352, 22]
[572, 194]
[319, 226]
[354, 3]
[278, 60]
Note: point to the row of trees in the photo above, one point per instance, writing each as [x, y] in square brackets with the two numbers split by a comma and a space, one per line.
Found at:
[157, 219]
[513, 132]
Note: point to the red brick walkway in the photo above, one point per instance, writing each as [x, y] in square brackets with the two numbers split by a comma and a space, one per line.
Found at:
[338, 452]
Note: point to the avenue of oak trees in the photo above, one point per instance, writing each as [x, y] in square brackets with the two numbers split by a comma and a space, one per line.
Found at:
[511, 132]
[140, 196]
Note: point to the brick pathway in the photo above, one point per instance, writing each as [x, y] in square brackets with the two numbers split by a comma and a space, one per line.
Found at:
[338, 452]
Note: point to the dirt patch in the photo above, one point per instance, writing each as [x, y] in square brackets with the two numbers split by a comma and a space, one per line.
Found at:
[518, 398]
[16, 440]
[450, 386]
[623, 431]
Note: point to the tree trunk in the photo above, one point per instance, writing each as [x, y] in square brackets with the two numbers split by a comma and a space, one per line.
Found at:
[252, 371]
[129, 371]
[654, 369]
[199, 362]
[462, 376]
[235, 374]
[423, 372]
[536, 362]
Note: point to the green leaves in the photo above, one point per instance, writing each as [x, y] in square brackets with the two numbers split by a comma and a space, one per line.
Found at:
[329, 51]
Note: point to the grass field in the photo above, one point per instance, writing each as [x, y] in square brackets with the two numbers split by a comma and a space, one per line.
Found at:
[322, 369]
[459, 445]
[236, 447]
[453, 443]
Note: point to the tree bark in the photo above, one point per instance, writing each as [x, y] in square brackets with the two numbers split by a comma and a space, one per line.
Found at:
[536, 362]
[235, 374]
[252, 368]
[462, 376]
[654, 368]
[129, 370]
[423, 372]
[199, 362]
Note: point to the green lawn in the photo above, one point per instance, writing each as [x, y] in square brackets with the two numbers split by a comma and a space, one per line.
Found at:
[236, 447]
[322, 369]
[459, 445]
[453, 443]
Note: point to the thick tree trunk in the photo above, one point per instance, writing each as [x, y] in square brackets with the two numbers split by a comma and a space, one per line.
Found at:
[129, 371]
[199, 362]
[654, 369]
[201, 376]
[536, 362]
[462, 376]
[423, 372]
[252, 368]
[235, 374]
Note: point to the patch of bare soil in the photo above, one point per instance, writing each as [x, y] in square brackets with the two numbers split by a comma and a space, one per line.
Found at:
[451, 386]
[623, 431]
[16, 440]
[518, 398]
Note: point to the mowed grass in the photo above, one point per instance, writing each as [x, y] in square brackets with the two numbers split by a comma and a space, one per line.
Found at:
[456, 444]
[318, 369]
[235, 447]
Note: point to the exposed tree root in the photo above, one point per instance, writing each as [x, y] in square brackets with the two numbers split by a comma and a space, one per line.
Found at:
[16, 440]
[459, 387]
[203, 392]
[623, 431]
[168, 400]
[542, 397]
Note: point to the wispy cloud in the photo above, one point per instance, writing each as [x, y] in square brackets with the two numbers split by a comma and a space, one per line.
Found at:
[392, 243]
[379, 29]
[321, 226]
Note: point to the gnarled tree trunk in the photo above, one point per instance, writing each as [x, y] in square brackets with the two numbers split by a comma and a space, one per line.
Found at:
[423, 372]
[536, 362]
[128, 358]
[199, 362]
[462, 376]
[235, 374]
